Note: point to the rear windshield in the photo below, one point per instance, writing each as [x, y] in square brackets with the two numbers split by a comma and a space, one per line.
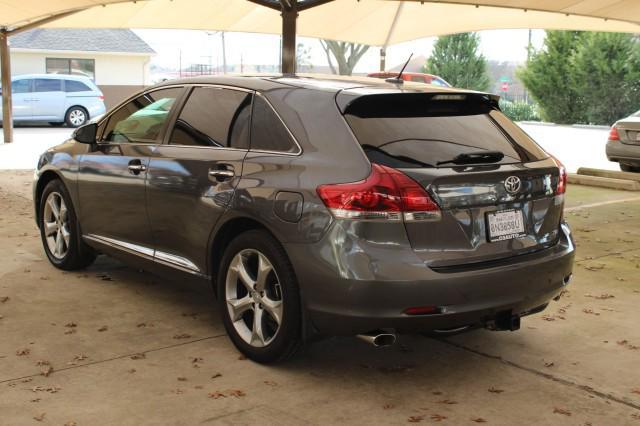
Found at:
[420, 130]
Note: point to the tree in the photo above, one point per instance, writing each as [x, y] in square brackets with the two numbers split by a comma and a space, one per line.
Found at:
[303, 57]
[346, 54]
[607, 76]
[456, 59]
[550, 79]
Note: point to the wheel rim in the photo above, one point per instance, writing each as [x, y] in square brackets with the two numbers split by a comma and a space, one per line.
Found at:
[77, 117]
[55, 222]
[254, 297]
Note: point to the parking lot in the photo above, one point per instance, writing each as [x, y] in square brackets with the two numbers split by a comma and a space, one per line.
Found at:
[114, 345]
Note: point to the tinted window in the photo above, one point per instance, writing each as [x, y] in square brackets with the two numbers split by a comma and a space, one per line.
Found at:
[214, 117]
[267, 131]
[417, 78]
[75, 86]
[142, 119]
[21, 86]
[439, 82]
[419, 131]
[47, 85]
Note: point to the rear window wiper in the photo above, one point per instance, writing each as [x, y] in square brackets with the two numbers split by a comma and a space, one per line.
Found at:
[475, 158]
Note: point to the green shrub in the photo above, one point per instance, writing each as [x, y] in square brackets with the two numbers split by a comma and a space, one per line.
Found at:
[519, 111]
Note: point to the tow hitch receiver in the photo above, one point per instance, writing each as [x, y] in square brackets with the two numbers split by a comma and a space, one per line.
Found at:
[504, 321]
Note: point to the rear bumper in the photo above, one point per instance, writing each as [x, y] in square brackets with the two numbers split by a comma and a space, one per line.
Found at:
[361, 293]
[623, 153]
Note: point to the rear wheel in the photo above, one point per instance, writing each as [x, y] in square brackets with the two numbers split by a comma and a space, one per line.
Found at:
[629, 168]
[76, 117]
[259, 298]
[60, 231]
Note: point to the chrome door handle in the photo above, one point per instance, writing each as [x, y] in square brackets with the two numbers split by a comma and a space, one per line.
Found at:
[137, 168]
[222, 174]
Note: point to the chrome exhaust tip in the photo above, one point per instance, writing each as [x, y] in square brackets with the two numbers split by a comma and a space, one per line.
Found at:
[378, 338]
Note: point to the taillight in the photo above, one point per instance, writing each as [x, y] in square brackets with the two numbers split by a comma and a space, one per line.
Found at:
[613, 134]
[562, 177]
[387, 194]
[101, 97]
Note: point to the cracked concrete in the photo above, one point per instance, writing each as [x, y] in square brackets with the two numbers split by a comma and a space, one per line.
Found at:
[162, 356]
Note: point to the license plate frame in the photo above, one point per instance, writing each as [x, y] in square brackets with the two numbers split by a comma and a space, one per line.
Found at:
[513, 220]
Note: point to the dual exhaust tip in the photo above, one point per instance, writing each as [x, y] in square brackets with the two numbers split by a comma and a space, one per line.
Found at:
[378, 338]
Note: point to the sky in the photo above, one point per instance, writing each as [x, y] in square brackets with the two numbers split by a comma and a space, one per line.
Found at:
[205, 47]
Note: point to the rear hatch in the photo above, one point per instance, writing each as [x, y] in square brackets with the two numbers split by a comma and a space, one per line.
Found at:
[629, 129]
[499, 193]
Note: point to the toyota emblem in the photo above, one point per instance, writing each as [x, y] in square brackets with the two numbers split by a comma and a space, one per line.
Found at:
[512, 184]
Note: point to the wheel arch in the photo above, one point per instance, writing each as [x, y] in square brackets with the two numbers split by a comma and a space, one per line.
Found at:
[46, 177]
[225, 234]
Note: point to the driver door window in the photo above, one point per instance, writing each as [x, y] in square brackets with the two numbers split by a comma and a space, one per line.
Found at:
[143, 119]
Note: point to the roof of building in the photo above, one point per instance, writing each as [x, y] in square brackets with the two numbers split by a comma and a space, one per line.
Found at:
[82, 40]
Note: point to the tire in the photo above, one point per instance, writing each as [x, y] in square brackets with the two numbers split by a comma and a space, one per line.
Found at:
[76, 116]
[67, 253]
[628, 168]
[275, 342]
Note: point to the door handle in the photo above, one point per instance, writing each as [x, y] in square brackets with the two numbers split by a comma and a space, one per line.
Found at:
[221, 174]
[136, 167]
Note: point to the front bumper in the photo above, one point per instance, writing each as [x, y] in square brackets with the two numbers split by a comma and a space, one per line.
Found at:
[353, 293]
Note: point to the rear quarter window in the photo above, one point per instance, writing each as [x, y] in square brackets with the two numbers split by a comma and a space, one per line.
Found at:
[71, 86]
[409, 130]
[268, 133]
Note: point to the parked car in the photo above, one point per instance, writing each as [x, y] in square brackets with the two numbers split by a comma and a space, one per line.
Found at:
[317, 207]
[55, 98]
[416, 77]
[623, 145]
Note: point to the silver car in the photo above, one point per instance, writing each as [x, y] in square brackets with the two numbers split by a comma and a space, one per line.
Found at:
[624, 143]
[56, 99]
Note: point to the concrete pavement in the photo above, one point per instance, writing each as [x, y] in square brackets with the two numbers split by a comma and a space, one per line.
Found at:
[114, 345]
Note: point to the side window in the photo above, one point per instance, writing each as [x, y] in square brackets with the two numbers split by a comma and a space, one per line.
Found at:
[75, 86]
[47, 85]
[214, 117]
[418, 78]
[21, 86]
[142, 119]
[267, 131]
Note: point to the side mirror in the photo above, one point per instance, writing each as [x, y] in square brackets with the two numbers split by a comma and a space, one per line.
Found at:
[86, 134]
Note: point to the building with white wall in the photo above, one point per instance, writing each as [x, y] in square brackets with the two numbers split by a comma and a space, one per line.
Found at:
[117, 60]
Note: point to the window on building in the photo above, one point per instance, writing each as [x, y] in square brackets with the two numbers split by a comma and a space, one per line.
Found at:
[83, 67]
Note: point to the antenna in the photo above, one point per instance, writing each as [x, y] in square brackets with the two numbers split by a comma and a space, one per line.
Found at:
[398, 79]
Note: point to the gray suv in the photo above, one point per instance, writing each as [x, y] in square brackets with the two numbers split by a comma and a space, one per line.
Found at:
[317, 207]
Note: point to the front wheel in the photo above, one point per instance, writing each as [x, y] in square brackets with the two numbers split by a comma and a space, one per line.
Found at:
[60, 231]
[259, 298]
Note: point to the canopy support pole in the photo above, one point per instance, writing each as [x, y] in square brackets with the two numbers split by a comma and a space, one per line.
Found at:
[289, 20]
[7, 104]
[392, 28]
[383, 58]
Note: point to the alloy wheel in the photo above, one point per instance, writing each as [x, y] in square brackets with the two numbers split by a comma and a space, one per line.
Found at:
[77, 117]
[55, 221]
[254, 297]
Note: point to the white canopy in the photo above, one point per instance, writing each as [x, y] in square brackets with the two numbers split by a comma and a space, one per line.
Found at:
[364, 21]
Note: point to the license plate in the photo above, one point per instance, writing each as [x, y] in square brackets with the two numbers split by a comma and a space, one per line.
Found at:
[505, 225]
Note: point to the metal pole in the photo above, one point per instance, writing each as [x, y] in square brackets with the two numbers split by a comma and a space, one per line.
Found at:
[224, 54]
[289, 18]
[7, 111]
[383, 59]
